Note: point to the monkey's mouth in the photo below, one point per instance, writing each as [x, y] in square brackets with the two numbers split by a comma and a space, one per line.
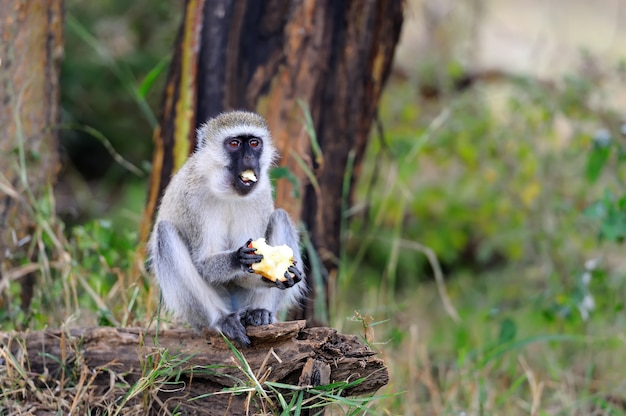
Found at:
[248, 177]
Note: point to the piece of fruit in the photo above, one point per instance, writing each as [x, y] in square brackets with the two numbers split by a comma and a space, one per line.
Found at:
[248, 176]
[276, 260]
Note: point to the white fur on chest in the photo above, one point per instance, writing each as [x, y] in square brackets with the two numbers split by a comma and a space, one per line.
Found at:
[244, 221]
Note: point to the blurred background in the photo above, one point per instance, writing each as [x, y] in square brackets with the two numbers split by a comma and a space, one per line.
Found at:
[484, 250]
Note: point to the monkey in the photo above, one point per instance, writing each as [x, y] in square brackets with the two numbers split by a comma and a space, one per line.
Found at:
[217, 202]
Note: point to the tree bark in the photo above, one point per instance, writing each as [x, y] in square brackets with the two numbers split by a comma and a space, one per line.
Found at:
[31, 48]
[332, 56]
[175, 369]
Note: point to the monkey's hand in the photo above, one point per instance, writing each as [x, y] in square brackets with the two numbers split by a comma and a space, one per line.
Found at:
[292, 276]
[247, 256]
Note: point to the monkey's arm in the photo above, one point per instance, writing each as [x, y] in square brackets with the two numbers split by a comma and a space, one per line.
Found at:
[225, 266]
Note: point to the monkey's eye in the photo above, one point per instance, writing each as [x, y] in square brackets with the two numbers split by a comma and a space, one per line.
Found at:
[254, 142]
[234, 143]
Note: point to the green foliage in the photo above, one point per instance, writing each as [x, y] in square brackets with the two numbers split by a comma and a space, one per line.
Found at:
[598, 155]
[518, 187]
[87, 276]
[116, 56]
[283, 172]
[480, 182]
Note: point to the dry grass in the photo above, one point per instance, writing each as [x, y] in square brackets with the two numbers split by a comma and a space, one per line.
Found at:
[440, 367]
[75, 392]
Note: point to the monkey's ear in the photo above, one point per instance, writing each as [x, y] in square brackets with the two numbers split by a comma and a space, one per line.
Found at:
[201, 133]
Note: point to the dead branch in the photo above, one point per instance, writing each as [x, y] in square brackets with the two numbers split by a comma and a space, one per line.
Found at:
[179, 369]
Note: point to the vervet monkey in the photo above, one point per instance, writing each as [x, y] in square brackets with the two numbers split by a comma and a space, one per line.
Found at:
[218, 201]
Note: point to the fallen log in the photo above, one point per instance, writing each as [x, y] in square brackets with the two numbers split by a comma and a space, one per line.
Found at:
[138, 371]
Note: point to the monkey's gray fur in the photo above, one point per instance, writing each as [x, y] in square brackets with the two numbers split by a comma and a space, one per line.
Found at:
[207, 215]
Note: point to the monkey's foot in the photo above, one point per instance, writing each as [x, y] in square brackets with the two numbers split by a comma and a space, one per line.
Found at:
[257, 317]
[234, 330]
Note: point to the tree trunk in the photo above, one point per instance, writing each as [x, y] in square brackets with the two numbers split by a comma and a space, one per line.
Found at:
[31, 48]
[143, 372]
[332, 56]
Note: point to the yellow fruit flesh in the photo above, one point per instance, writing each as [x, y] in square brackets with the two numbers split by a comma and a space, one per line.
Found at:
[248, 175]
[276, 260]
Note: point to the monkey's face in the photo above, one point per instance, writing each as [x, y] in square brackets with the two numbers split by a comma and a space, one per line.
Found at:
[244, 152]
[234, 154]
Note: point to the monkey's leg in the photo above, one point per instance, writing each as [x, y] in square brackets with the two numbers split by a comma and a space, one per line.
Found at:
[280, 230]
[184, 291]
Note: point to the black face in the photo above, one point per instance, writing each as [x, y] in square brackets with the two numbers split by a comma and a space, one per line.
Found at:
[245, 154]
